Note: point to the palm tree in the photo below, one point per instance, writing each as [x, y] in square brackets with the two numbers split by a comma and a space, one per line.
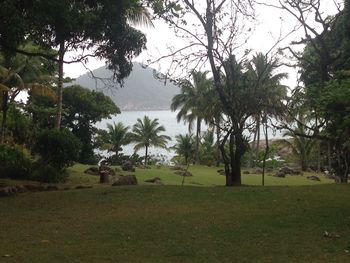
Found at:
[118, 136]
[25, 74]
[139, 15]
[146, 134]
[192, 102]
[301, 146]
[184, 147]
[270, 94]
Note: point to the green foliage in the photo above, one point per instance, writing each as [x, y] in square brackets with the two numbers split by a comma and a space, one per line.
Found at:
[82, 109]
[145, 133]
[58, 148]
[48, 174]
[208, 149]
[185, 148]
[15, 163]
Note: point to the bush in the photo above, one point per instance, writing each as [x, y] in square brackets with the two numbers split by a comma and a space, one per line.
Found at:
[48, 174]
[15, 164]
[58, 148]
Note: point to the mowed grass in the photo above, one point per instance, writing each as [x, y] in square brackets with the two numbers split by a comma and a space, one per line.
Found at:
[178, 224]
[202, 176]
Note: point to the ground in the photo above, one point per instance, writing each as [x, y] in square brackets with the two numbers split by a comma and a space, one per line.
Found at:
[179, 224]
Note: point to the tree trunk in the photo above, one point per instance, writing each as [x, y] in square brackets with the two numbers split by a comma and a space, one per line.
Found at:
[265, 155]
[257, 142]
[218, 156]
[198, 131]
[4, 116]
[146, 155]
[61, 53]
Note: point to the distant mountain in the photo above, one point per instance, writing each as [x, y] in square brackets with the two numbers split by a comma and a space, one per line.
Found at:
[141, 90]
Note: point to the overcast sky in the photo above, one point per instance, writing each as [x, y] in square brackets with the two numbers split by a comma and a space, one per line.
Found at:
[271, 23]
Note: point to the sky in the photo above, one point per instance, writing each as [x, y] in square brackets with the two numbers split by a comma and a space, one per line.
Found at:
[271, 23]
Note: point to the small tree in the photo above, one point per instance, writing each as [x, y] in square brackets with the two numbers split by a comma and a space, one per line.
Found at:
[185, 147]
[146, 134]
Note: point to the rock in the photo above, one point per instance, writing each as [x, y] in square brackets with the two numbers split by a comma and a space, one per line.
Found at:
[183, 173]
[143, 167]
[269, 170]
[313, 178]
[155, 180]
[92, 171]
[105, 172]
[286, 170]
[280, 174]
[258, 171]
[221, 171]
[246, 172]
[51, 188]
[125, 180]
[34, 188]
[8, 190]
[127, 166]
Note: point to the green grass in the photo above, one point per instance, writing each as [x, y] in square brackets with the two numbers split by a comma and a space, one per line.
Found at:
[202, 176]
[177, 224]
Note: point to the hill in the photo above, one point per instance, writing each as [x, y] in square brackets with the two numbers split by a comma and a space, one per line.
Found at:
[141, 90]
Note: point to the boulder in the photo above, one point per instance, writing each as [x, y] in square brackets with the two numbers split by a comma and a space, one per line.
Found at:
[92, 171]
[127, 166]
[105, 173]
[313, 178]
[246, 172]
[155, 180]
[280, 174]
[258, 171]
[8, 190]
[125, 180]
[286, 170]
[177, 168]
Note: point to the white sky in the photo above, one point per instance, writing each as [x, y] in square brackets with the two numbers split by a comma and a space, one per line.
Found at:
[271, 23]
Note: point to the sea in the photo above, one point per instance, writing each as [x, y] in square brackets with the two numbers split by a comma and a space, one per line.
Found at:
[172, 127]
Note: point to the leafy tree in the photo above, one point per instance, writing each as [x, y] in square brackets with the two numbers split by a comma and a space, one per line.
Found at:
[145, 133]
[23, 74]
[301, 145]
[192, 102]
[185, 147]
[118, 135]
[207, 148]
[82, 109]
[98, 28]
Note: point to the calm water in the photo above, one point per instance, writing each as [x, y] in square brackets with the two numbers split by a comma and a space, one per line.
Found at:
[166, 118]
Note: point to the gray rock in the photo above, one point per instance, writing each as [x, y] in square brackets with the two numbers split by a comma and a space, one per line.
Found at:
[183, 173]
[155, 180]
[313, 178]
[125, 180]
[280, 174]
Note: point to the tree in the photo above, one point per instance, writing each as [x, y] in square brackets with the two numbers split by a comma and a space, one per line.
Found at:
[145, 133]
[82, 109]
[185, 147]
[117, 137]
[301, 145]
[24, 74]
[323, 66]
[213, 40]
[192, 102]
[96, 28]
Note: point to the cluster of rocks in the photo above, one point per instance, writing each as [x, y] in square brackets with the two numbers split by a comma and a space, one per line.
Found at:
[282, 172]
[7, 190]
[180, 170]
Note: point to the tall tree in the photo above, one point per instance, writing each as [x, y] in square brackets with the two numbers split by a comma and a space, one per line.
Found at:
[82, 109]
[145, 133]
[191, 103]
[92, 28]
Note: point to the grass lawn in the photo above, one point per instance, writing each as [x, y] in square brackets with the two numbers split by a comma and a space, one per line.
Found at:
[177, 224]
[202, 176]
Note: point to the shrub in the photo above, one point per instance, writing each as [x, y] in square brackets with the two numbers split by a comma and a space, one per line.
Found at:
[14, 163]
[48, 174]
[58, 148]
